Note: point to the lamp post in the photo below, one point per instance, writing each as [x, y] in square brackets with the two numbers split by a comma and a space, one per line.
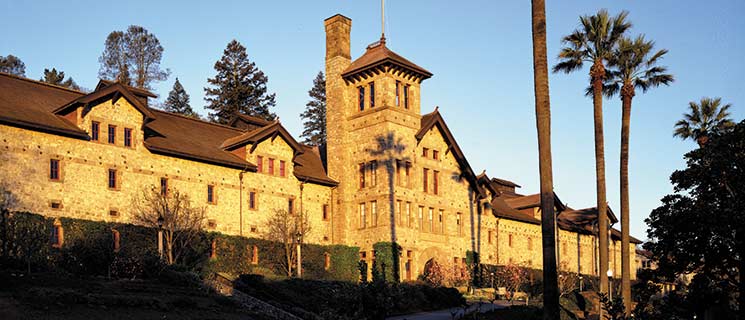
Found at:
[580, 283]
[299, 237]
[610, 284]
[160, 236]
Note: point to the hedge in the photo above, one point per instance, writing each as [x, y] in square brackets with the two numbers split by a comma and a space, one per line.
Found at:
[384, 265]
[88, 249]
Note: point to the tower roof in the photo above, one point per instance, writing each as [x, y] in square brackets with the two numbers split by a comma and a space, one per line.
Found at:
[377, 56]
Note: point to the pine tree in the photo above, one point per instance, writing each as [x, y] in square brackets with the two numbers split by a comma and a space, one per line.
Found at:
[238, 87]
[11, 64]
[315, 113]
[178, 101]
[132, 57]
[58, 78]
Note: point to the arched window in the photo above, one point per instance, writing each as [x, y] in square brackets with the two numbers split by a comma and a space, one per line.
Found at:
[58, 234]
[326, 261]
[255, 255]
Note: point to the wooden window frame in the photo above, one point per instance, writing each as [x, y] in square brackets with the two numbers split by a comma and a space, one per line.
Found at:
[431, 219]
[325, 212]
[253, 200]
[360, 98]
[361, 172]
[371, 85]
[128, 137]
[95, 131]
[111, 134]
[374, 213]
[435, 155]
[425, 180]
[362, 216]
[113, 178]
[425, 152]
[282, 169]
[441, 218]
[55, 170]
[270, 166]
[260, 164]
[291, 206]
[406, 97]
[211, 194]
[373, 173]
[163, 186]
[398, 93]
[435, 182]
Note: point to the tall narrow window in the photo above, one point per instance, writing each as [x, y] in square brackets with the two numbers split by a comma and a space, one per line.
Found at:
[210, 194]
[58, 235]
[54, 169]
[128, 137]
[398, 93]
[164, 186]
[431, 220]
[399, 207]
[271, 166]
[252, 200]
[409, 216]
[282, 168]
[435, 154]
[509, 241]
[425, 152]
[116, 237]
[421, 218]
[254, 254]
[372, 94]
[325, 212]
[490, 236]
[459, 222]
[398, 172]
[373, 173]
[291, 206]
[362, 175]
[407, 183]
[361, 98]
[260, 164]
[374, 213]
[425, 179]
[95, 130]
[406, 96]
[326, 261]
[363, 220]
[441, 220]
[436, 182]
[113, 184]
[112, 134]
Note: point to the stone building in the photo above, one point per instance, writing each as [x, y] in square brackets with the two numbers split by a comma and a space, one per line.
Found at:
[391, 172]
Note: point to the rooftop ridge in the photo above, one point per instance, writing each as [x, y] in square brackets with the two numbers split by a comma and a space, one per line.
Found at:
[39, 82]
[197, 120]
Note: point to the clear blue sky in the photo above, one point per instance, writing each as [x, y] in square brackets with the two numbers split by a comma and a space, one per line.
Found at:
[479, 52]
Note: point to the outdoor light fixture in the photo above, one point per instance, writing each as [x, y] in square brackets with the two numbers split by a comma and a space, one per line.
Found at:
[299, 237]
[160, 236]
[160, 222]
[610, 284]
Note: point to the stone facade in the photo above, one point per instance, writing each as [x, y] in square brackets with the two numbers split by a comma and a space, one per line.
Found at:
[398, 180]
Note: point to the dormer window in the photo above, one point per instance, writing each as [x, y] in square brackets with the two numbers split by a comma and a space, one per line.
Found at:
[372, 94]
[361, 98]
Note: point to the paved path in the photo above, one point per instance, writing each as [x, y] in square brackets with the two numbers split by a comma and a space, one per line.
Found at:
[446, 313]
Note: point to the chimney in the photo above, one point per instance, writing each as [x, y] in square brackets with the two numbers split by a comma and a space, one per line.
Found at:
[338, 28]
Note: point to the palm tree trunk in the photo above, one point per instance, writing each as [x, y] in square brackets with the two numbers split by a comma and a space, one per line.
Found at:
[543, 126]
[627, 93]
[597, 72]
[392, 209]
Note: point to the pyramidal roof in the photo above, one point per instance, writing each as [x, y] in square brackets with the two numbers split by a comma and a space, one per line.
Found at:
[378, 55]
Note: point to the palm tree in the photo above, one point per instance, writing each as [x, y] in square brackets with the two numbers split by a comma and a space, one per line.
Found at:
[633, 67]
[705, 117]
[543, 126]
[593, 43]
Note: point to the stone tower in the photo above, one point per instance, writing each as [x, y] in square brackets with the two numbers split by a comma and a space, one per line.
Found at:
[376, 96]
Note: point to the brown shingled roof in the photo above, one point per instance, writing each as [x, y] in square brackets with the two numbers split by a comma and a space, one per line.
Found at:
[531, 201]
[140, 92]
[501, 209]
[112, 91]
[378, 55]
[308, 166]
[193, 139]
[29, 104]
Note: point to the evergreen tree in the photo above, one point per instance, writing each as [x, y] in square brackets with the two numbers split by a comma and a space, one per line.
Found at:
[58, 78]
[11, 64]
[238, 86]
[315, 113]
[132, 57]
[178, 101]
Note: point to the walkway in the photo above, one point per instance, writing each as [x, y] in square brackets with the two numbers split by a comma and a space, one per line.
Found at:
[457, 313]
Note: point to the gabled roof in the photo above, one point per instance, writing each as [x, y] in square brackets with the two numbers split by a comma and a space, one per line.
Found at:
[309, 167]
[587, 215]
[113, 91]
[506, 183]
[532, 201]
[502, 210]
[273, 130]
[247, 123]
[184, 137]
[434, 119]
[378, 55]
[28, 104]
[140, 92]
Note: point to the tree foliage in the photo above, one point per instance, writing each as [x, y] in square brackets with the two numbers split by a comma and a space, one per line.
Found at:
[314, 132]
[58, 78]
[704, 117]
[132, 57]
[238, 87]
[178, 101]
[701, 227]
[13, 65]
[182, 223]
